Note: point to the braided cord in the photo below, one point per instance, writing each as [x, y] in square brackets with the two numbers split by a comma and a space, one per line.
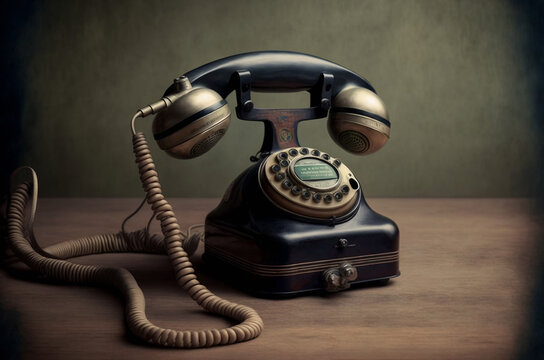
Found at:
[51, 263]
[251, 324]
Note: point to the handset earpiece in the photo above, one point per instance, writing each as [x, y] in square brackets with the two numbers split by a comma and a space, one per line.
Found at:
[193, 123]
[358, 121]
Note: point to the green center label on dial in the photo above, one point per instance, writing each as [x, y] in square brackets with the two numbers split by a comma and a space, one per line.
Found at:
[313, 169]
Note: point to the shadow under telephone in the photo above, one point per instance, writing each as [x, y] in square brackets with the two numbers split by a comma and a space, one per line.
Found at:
[293, 222]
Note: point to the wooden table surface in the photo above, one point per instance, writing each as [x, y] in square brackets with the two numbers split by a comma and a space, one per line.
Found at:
[466, 266]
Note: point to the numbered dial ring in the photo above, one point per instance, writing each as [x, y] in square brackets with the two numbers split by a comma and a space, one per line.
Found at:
[308, 182]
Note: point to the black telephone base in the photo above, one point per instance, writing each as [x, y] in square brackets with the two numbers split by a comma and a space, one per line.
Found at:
[270, 252]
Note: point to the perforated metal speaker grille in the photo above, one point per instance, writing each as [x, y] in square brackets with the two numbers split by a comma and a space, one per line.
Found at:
[354, 141]
[206, 144]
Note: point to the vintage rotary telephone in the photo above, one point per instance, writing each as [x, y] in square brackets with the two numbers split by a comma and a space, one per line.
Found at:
[295, 221]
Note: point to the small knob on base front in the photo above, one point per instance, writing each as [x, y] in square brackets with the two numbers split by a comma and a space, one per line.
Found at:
[338, 278]
[348, 271]
[334, 281]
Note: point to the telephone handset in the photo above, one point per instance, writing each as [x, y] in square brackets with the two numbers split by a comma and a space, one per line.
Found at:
[358, 121]
[295, 221]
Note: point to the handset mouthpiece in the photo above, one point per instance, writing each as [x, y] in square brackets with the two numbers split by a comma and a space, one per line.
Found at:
[182, 84]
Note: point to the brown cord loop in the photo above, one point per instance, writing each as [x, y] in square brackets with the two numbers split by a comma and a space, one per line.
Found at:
[55, 267]
[251, 324]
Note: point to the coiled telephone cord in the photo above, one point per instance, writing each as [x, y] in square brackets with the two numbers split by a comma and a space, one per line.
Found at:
[50, 262]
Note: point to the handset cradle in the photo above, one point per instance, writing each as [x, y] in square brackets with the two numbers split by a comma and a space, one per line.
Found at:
[280, 125]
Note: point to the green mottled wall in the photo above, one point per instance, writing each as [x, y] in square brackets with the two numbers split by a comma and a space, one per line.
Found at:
[452, 74]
